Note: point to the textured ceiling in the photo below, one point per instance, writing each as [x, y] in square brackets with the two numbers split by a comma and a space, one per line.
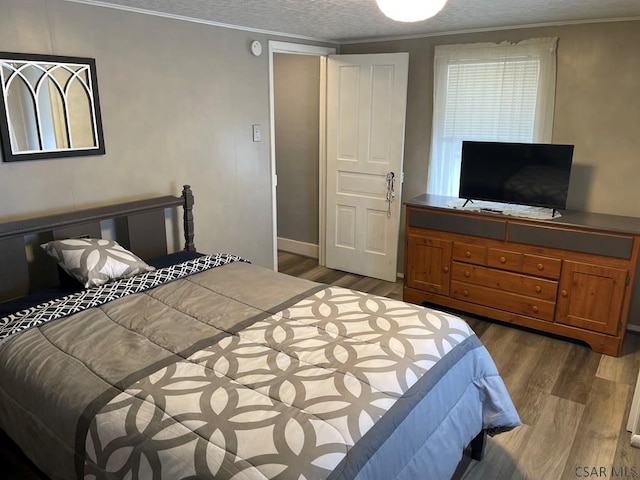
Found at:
[349, 20]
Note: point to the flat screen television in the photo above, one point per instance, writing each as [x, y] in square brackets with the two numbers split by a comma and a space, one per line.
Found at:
[534, 174]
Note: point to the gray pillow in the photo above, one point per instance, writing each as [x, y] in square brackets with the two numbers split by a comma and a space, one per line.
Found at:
[94, 262]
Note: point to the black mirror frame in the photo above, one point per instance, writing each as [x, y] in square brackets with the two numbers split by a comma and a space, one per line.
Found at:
[7, 152]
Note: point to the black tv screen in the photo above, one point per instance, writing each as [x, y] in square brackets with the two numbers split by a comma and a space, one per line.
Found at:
[534, 174]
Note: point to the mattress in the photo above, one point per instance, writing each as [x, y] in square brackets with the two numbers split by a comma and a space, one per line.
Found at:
[216, 368]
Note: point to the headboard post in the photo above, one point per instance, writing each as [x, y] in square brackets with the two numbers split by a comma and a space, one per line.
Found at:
[187, 196]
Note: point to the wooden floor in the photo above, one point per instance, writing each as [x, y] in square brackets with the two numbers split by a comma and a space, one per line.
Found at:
[574, 403]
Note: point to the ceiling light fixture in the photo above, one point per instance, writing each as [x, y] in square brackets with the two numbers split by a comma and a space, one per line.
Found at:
[410, 10]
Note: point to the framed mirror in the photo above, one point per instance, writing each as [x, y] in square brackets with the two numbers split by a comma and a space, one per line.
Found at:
[50, 107]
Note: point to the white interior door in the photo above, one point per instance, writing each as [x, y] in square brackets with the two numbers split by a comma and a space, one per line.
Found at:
[366, 104]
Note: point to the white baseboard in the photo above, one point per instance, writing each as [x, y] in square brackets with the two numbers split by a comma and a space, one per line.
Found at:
[633, 328]
[299, 248]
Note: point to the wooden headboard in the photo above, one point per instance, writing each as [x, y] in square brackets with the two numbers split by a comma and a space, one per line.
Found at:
[138, 226]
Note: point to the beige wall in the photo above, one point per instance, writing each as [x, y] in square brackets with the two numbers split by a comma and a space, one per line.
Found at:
[297, 118]
[163, 130]
[178, 101]
[597, 108]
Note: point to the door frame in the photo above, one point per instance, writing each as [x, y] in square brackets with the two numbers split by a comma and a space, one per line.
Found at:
[322, 52]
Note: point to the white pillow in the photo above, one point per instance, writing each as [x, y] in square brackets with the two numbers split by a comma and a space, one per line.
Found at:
[94, 262]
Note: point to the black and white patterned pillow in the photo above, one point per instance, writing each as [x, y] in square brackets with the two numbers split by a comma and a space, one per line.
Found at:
[94, 262]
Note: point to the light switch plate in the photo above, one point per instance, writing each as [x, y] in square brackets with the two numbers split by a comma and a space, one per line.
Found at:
[257, 135]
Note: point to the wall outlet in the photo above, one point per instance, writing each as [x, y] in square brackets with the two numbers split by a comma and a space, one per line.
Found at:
[257, 135]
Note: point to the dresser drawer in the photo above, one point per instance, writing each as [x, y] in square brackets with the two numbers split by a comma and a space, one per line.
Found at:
[502, 300]
[537, 288]
[541, 266]
[465, 252]
[504, 259]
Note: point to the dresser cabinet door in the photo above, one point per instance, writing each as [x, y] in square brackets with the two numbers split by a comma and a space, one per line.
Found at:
[428, 264]
[591, 297]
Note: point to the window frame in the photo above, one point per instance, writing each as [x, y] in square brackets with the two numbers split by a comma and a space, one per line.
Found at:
[444, 161]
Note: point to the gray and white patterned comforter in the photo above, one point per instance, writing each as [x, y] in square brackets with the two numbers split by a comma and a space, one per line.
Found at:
[238, 372]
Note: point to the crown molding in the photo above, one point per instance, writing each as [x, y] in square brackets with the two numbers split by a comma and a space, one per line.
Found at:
[488, 29]
[145, 11]
[349, 41]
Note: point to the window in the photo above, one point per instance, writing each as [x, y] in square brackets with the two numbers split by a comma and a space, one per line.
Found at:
[492, 92]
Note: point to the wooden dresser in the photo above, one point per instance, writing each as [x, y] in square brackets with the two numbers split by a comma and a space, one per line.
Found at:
[571, 276]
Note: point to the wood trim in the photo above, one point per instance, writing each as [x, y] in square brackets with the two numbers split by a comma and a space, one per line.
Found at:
[297, 247]
[323, 53]
[633, 424]
[56, 221]
[187, 205]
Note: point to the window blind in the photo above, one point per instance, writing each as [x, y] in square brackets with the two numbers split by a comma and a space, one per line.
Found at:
[490, 92]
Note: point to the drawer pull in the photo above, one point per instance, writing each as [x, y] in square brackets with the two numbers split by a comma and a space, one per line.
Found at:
[465, 293]
[503, 260]
[467, 273]
[564, 293]
[538, 288]
[535, 309]
[445, 269]
[467, 254]
[540, 267]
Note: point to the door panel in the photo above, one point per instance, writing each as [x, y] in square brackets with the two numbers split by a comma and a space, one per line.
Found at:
[347, 130]
[361, 185]
[381, 114]
[429, 268]
[366, 103]
[376, 221]
[591, 297]
[346, 226]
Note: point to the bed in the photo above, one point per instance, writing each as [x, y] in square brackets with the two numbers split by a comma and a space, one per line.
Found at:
[207, 366]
